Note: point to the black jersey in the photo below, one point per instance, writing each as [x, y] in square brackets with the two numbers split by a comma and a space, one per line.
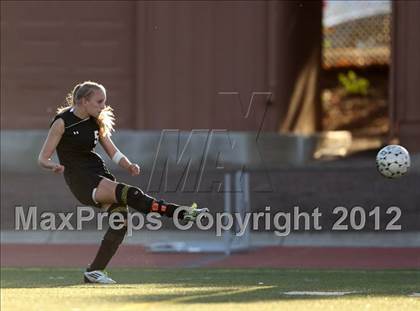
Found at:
[76, 147]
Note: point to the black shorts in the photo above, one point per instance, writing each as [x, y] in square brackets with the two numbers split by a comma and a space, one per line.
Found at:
[83, 183]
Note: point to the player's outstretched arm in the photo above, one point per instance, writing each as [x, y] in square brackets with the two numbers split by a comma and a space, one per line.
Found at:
[54, 135]
[118, 157]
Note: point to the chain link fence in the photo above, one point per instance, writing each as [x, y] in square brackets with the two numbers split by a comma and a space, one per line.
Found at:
[356, 33]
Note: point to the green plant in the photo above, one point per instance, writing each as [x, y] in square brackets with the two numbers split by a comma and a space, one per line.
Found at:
[353, 84]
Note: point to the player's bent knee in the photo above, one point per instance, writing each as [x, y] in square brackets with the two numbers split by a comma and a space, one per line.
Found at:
[104, 192]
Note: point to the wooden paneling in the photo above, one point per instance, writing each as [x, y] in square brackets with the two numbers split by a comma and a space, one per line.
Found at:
[193, 51]
[164, 63]
[405, 73]
[48, 47]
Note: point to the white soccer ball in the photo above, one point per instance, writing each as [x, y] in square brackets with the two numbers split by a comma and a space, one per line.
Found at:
[393, 161]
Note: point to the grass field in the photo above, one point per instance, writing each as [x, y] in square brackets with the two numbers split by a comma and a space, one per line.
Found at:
[208, 289]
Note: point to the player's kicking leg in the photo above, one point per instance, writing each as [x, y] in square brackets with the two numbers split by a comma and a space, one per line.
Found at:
[135, 198]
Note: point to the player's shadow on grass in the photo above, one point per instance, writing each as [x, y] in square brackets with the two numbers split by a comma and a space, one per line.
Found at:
[187, 286]
[40, 277]
[228, 296]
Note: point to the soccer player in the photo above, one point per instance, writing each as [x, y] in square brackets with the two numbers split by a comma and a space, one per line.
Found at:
[74, 133]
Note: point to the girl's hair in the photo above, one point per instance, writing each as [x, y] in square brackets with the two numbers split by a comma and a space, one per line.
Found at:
[85, 90]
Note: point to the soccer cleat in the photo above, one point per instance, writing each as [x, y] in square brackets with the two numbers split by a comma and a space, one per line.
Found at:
[192, 212]
[98, 276]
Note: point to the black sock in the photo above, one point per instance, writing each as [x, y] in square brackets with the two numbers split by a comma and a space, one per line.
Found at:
[141, 202]
[109, 245]
[107, 250]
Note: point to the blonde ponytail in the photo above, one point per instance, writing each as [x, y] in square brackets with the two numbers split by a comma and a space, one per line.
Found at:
[106, 121]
